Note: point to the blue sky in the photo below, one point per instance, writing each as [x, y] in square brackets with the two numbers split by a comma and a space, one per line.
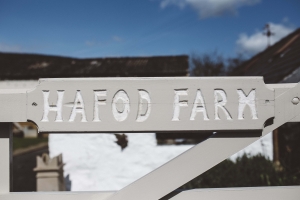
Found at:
[108, 28]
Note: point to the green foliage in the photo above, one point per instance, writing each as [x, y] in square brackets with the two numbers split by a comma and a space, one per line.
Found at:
[208, 65]
[214, 64]
[19, 143]
[245, 172]
[289, 148]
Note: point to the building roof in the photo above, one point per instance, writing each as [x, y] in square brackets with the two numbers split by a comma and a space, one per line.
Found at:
[277, 62]
[32, 66]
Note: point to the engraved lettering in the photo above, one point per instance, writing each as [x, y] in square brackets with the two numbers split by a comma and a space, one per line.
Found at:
[178, 103]
[144, 114]
[98, 102]
[56, 108]
[78, 107]
[220, 103]
[246, 100]
[199, 106]
[120, 98]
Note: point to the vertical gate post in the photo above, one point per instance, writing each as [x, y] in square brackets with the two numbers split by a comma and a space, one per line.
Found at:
[5, 157]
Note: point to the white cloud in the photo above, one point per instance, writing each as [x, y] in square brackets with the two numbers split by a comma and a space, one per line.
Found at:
[210, 8]
[10, 48]
[252, 44]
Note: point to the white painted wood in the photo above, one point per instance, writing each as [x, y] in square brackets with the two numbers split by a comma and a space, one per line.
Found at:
[14, 101]
[251, 193]
[13, 105]
[4, 165]
[56, 195]
[183, 168]
[5, 159]
[171, 98]
[203, 156]
[281, 89]
[285, 110]
[172, 104]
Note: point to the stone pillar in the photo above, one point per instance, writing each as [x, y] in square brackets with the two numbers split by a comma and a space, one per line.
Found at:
[49, 173]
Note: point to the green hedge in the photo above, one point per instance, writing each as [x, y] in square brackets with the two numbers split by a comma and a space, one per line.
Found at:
[20, 143]
[245, 172]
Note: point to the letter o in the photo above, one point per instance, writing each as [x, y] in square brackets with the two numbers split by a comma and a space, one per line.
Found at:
[120, 115]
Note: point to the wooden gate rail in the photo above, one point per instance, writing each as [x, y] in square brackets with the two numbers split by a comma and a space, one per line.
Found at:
[235, 105]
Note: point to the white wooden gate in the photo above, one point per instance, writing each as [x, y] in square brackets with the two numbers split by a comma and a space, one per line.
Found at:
[244, 107]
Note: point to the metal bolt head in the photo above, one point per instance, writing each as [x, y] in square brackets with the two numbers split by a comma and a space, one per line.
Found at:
[295, 100]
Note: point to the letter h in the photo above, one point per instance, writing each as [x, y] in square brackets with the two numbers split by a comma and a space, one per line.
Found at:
[57, 108]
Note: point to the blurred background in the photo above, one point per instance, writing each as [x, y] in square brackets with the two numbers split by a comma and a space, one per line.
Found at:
[149, 38]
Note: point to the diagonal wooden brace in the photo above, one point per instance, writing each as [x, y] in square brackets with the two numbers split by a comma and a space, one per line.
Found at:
[207, 154]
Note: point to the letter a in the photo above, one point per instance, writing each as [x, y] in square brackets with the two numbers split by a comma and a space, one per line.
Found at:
[199, 106]
[78, 107]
